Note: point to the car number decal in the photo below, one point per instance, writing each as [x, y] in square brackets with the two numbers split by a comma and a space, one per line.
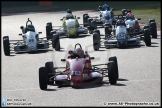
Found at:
[121, 36]
[31, 40]
[76, 73]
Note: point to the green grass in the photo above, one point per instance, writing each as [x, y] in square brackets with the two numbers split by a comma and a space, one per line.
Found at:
[145, 9]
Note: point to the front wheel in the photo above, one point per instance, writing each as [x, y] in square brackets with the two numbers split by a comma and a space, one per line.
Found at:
[42, 78]
[112, 73]
[50, 72]
[96, 41]
[147, 38]
[6, 45]
[56, 42]
[48, 30]
[116, 65]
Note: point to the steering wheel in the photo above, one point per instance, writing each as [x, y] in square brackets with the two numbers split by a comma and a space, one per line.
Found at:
[29, 21]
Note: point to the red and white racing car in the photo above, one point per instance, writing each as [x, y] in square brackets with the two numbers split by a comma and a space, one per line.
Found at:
[78, 71]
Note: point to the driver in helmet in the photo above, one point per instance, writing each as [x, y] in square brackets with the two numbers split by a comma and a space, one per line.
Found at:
[30, 27]
[69, 14]
[76, 53]
[120, 21]
[129, 14]
[105, 7]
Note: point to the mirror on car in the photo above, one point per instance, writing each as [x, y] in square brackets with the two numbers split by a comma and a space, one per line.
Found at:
[92, 58]
[63, 60]
[40, 32]
[138, 18]
[22, 27]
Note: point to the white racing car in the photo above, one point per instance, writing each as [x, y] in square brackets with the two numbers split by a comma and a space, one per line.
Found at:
[30, 41]
[120, 38]
[105, 17]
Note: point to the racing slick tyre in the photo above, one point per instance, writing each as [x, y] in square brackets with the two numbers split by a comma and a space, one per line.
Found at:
[108, 30]
[89, 21]
[51, 34]
[56, 42]
[42, 78]
[123, 12]
[85, 20]
[48, 30]
[153, 29]
[151, 20]
[98, 31]
[50, 72]
[112, 73]
[94, 24]
[6, 45]
[96, 41]
[116, 65]
[147, 38]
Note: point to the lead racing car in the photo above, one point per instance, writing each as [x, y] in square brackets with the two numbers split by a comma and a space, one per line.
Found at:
[78, 71]
[70, 28]
[105, 17]
[30, 41]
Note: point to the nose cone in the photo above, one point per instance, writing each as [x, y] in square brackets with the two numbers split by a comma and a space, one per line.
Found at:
[72, 32]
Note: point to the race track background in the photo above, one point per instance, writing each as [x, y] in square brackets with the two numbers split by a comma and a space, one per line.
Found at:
[139, 69]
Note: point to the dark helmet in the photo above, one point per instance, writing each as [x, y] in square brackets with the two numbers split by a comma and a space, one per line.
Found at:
[128, 10]
[69, 11]
[105, 7]
[79, 52]
[30, 27]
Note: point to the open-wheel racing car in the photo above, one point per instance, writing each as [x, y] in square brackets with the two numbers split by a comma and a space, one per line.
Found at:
[78, 71]
[30, 41]
[121, 37]
[133, 24]
[105, 17]
[70, 28]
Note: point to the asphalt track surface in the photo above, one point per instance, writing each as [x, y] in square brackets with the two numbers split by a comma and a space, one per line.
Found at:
[139, 82]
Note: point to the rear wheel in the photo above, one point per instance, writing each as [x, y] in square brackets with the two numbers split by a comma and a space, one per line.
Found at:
[48, 30]
[50, 72]
[94, 24]
[85, 20]
[116, 65]
[147, 38]
[6, 45]
[56, 42]
[42, 78]
[98, 31]
[89, 21]
[112, 73]
[96, 41]
[153, 29]
[108, 30]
